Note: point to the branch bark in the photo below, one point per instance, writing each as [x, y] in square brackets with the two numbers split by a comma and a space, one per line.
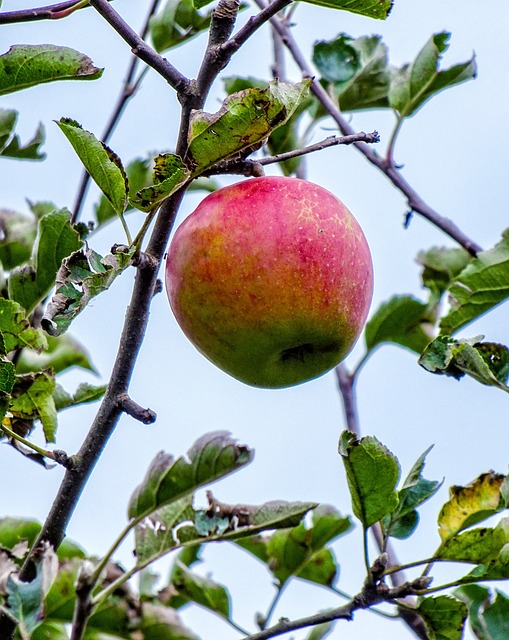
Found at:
[49, 12]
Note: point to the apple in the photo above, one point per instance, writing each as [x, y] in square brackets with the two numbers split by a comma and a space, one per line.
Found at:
[271, 279]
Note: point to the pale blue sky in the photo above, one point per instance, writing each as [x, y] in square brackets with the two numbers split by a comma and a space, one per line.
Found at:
[453, 154]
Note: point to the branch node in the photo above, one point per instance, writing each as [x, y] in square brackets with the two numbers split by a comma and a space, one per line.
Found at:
[62, 458]
[132, 408]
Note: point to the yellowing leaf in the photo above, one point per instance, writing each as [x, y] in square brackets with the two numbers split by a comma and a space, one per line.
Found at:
[471, 504]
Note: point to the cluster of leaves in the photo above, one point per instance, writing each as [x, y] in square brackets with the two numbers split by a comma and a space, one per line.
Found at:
[165, 519]
[472, 286]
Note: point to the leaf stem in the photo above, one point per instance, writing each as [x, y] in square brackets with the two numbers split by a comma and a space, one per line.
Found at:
[46, 453]
[273, 605]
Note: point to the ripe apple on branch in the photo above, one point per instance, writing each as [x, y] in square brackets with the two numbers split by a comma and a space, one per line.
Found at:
[271, 279]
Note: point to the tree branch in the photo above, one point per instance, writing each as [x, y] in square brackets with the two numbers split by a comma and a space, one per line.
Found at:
[141, 49]
[128, 90]
[370, 595]
[415, 202]
[49, 12]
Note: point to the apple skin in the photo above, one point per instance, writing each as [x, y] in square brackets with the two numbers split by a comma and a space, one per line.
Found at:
[271, 279]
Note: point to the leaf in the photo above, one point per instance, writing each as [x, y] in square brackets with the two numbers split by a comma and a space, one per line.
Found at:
[357, 70]
[26, 599]
[163, 623]
[378, 9]
[486, 362]
[84, 394]
[372, 473]
[170, 173]
[179, 523]
[245, 120]
[138, 176]
[443, 616]
[414, 492]
[32, 399]
[478, 546]
[471, 504]
[212, 456]
[10, 146]
[301, 551]
[63, 353]
[414, 84]
[24, 66]
[285, 137]
[7, 377]
[401, 320]
[320, 631]
[192, 587]
[17, 238]
[83, 276]
[178, 22]
[15, 530]
[103, 165]
[479, 287]
[15, 329]
[488, 618]
[56, 239]
[440, 266]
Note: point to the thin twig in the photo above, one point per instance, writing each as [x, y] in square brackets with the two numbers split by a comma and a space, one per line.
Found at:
[49, 12]
[129, 89]
[331, 141]
[415, 202]
[141, 49]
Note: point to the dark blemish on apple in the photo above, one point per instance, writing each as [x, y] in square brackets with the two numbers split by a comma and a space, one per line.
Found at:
[297, 353]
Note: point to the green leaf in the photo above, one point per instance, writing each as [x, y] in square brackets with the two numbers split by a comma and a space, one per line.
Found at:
[84, 394]
[372, 473]
[402, 320]
[18, 237]
[15, 329]
[32, 399]
[320, 631]
[83, 276]
[178, 22]
[62, 354]
[480, 286]
[103, 165]
[179, 523]
[10, 145]
[444, 617]
[284, 138]
[415, 490]
[138, 176]
[478, 546]
[488, 617]
[486, 362]
[15, 530]
[356, 69]
[301, 551]
[170, 173]
[56, 239]
[163, 623]
[7, 376]
[212, 456]
[378, 9]
[245, 119]
[27, 65]
[471, 504]
[26, 599]
[440, 266]
[414, 84]
[191, 587]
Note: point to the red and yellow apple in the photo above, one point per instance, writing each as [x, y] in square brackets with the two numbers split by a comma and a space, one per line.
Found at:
[271, 279]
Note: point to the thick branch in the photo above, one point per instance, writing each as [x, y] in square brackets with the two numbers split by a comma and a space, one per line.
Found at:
[415, 202]
[141, 49]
